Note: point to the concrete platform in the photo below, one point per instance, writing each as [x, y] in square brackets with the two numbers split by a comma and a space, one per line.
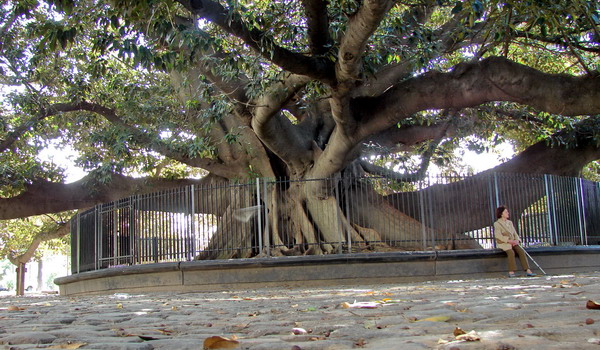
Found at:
[339, 269]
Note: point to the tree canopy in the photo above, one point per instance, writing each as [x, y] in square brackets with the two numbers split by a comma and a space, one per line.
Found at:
[153, 94]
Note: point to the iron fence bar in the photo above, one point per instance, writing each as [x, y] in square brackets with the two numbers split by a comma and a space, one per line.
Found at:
[78, 256]
[583, 215]
[348, 219]
[260, 230]
[192, 243]
[266, 214]
[337, 213]
[423, 226]
[97, 240]
[497, 191]
[549, 210]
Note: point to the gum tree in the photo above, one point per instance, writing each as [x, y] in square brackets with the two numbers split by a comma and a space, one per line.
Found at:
[304, 89]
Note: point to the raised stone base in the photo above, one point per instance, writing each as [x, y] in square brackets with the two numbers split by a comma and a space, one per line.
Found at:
[340, 269]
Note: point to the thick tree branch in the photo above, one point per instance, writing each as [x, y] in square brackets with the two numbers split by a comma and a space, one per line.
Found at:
[49, 111]
[316, 68]
[276, 131]
[471, 84]
[405, 138]
[317, 22]
[47, 197]
[360, 28]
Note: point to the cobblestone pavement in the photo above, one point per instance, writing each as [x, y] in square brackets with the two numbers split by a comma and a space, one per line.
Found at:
[545, 312]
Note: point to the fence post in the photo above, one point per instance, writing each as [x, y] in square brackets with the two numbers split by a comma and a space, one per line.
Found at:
[97, 239]
[192, 239]
[493, 208]
[266, 212]
[348, 233]
[549, 206]
[337, 211]
[260, 231]
[496, 190]
[423, 226]
[581, 210]
[78, 234]
[430, 205]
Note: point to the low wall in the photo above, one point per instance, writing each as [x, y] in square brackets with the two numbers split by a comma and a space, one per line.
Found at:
[339, 269]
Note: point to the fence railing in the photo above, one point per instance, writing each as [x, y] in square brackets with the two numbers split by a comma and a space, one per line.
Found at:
[335, 215]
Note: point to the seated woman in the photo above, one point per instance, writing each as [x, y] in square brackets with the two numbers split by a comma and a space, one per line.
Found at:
[508, 240]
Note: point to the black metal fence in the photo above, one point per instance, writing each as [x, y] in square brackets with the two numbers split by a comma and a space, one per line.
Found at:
[336, 215]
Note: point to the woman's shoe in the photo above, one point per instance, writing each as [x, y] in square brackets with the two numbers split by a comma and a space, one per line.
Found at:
[511, 275]
[530, 274]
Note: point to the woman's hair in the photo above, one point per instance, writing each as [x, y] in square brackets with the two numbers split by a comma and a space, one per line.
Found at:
[500, 210]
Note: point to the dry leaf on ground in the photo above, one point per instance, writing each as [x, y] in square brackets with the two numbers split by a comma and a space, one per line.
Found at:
[14, 308]
[458, 331]
[435, 319]
[360, 305]
[471, 336]
[217, 342]
[298, 331]
[67, 346]
[592, 305]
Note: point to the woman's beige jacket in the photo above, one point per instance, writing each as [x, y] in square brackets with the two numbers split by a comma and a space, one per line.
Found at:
[503, 232]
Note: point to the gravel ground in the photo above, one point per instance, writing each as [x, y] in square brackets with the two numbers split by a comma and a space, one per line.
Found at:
[544, 312]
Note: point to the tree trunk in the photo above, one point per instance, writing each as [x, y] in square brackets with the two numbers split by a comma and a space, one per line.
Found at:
[21, 269]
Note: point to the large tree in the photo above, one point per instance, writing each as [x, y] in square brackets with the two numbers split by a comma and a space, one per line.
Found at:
[164, 90]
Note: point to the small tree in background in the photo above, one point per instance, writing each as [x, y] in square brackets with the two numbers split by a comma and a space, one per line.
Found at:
[24, 240]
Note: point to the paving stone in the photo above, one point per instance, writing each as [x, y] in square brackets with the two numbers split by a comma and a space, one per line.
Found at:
[546, 312]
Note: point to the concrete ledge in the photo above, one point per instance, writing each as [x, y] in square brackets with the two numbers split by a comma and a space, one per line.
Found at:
[340, 269]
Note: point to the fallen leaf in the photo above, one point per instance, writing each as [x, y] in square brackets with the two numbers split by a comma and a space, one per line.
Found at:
[360, 305]
[458, 331]
[119, 306]
[67, 346]
[360, 342]
[589, 321]
[592, 305]
[298, 331]
[164, 331]
[147, 337]
[471, 336]
[217, 342]
[14, 308]
[173, 308]
[436, 319]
